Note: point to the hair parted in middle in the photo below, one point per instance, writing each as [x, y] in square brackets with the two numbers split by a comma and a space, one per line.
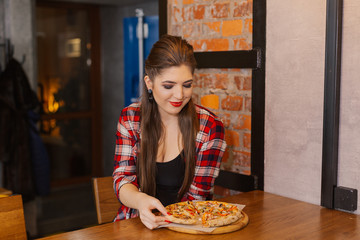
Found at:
[168, 51]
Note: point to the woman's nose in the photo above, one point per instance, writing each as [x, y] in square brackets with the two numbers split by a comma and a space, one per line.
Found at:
[179, 94]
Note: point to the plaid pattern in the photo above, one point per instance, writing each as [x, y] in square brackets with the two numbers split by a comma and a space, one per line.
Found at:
[210, 147]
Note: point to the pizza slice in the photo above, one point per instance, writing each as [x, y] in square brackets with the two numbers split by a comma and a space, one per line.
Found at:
[182, 212]
[215, 214]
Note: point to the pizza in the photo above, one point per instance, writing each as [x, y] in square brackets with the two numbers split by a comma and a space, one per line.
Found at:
[206, 213]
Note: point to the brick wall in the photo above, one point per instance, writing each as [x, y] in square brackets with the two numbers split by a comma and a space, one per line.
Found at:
[221, 25]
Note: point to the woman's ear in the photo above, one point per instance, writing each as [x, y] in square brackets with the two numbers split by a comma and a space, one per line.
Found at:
[148, 82]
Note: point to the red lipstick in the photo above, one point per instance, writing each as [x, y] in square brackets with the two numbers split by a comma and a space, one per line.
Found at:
[176, 104]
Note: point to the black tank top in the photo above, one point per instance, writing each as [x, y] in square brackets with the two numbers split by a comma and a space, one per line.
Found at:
[169, 178]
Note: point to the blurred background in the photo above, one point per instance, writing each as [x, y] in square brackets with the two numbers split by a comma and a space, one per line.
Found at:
[74, 55]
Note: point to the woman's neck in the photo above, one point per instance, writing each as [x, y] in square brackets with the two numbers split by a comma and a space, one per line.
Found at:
[171, 144]
[169, 119]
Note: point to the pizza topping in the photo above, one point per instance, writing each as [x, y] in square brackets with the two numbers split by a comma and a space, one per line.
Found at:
[209, 213]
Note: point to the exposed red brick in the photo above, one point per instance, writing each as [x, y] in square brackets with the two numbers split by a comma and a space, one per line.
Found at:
[243, 8]
[243, 122]
[191, 29]
[222, 81]
[197, 80]
[247, 141]
[187, 13]
[247, 85]
[242, 83]
[220, 10]
[225, 156]
[249, 25]
[209, 82]
[176, 30]
[248, 104]
[210, 101]
[242, 158]
[225, 118]
[215, 44]
[242, 44]
[232, 103]
[211, 28]
[232, 138]
[203, 78]
[187, 1]
[232, 27]
[177, 15]
[199, 11]
[238, 82]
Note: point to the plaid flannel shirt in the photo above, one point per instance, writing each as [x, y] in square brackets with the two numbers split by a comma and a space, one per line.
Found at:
[210, 147]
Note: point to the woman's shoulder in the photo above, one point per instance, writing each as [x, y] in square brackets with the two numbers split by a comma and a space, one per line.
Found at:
[204, 112]
[131, 112]
[205, 116]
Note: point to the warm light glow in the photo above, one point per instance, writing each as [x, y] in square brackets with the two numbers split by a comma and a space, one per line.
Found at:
[53, 105]
[52, 88]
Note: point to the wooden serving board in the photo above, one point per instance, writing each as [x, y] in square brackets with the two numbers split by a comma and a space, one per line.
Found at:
[241, 223]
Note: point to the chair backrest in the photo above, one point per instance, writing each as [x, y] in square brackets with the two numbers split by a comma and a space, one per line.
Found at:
[106, 201]
[4, 191]
[12, 221]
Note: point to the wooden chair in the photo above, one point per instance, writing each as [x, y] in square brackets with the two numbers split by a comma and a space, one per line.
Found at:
[4, 191]
[106, 201]
[12, 221]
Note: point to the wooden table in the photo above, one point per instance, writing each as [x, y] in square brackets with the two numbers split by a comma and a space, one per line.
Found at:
[271, 217]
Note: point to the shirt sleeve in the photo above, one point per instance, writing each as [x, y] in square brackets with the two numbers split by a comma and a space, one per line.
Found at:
[208, 161]
[125, 153]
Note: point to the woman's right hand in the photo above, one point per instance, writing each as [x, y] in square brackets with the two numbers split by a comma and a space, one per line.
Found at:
[146, 204]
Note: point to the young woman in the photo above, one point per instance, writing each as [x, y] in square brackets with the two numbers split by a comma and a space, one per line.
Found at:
[167, 149]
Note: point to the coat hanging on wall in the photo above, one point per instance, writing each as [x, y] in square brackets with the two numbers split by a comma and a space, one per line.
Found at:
[17, 146]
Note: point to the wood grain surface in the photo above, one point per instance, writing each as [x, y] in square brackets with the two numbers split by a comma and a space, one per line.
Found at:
[12, 221]
[271, 217]
[106, 202]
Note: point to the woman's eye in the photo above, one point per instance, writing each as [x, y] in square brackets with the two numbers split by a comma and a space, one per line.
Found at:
[168, 86]
[188, 85]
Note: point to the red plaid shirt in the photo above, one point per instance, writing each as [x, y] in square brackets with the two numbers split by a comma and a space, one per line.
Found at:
[210, 147]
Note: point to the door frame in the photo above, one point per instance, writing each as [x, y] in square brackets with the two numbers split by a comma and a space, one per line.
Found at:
[95, 93]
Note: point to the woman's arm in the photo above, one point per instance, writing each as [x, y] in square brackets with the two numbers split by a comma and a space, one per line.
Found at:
[125, 152]
[210, 151]
[125, 178]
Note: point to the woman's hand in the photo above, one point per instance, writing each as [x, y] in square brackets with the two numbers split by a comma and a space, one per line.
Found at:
[146, 204]
[131, 197]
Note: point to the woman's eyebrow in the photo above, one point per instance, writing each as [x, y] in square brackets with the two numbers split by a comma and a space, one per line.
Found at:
[172, 82]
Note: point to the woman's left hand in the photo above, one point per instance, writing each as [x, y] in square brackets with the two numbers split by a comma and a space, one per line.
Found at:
[147, 217]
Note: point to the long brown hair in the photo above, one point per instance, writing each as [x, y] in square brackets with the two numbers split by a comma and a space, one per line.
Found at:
[169, 51]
